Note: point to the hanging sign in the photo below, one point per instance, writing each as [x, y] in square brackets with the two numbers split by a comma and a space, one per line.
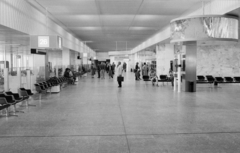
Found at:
[43, 42]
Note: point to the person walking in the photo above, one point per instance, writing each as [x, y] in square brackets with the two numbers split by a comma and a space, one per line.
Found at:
[171, 76]
[145, 71]
[137, 73]
[103, 68]
[93, 69]
[119, 74]
[113, 68]
[110, 72]
[125, 67]
[98, 69]
[107, 67]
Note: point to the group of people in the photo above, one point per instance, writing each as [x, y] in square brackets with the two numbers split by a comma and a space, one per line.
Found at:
[149, 73]
[101, 68]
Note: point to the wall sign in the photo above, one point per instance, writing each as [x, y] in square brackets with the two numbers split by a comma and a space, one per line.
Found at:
[43, 41]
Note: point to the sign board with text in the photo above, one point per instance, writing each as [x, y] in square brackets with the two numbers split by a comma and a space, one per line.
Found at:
[42, 42]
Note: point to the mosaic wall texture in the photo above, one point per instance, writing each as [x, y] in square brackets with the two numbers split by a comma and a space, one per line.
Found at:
[218, 60]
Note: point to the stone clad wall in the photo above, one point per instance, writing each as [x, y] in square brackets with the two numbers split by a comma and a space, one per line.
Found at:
[165, 54]
[218, 60]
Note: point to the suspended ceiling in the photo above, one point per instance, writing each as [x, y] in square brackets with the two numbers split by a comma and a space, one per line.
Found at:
[116, 24]
[11, 37]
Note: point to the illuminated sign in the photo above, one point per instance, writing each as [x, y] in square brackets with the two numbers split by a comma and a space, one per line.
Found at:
[43, 41]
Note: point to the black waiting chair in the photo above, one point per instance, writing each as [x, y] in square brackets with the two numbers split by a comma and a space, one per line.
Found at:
[237, 79]
[228, 79]
[163, 78]
[4, 106]
[201, 78]
[17, 98]
[9, 100]
[210, 78]
[25, 93]
[40, 88]
[219, 79]
[146, 78]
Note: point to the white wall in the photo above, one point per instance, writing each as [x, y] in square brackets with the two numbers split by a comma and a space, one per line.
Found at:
[165, 53]
[66, 57]
[103, 56]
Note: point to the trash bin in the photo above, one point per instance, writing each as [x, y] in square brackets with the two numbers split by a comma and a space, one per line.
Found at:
[191, 86]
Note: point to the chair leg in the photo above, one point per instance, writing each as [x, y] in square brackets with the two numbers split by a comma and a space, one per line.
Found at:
[1, 114]
[19, 111]
[26, 103]
[13, 112]
[30, 104]
[6, 112]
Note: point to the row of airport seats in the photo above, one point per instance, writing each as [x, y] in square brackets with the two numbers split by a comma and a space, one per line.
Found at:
[210, 79]
[162, 78]
[54, 81]
[9, 99]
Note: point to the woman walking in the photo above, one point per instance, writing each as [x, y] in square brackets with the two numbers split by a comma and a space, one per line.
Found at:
[93, 68]
[119, 74]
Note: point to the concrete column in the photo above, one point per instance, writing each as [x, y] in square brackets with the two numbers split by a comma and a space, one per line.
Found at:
[175, 74]
[6, 79]
[85, 58]
[179, 73]
[66, 57]
[189, 78]
[29, 79]
[19, 77]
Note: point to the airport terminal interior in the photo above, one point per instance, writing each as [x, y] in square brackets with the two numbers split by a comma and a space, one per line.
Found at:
[119, 76]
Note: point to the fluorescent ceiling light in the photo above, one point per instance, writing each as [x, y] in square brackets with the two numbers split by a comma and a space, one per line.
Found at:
[87, 28]
[142, 28]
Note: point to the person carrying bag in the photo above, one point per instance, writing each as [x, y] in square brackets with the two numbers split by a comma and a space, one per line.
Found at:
[120, 78]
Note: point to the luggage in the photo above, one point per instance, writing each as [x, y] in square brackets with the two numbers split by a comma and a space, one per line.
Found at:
[120, 79]
[145, 78]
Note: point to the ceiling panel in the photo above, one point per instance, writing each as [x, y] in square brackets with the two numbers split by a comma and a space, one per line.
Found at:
[152, 21]
[13, 37]
[167, 7]
[79, 20]
[117, 20]
[106, 21]
[70, 6]
[119, 6]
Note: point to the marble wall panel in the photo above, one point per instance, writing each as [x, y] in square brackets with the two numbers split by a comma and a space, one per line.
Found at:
[218, 60]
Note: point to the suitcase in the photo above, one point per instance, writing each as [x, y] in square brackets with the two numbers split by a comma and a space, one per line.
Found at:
[120, 79]
[146, 78]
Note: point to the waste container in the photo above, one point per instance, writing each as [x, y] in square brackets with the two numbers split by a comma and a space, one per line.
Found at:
[191, 86]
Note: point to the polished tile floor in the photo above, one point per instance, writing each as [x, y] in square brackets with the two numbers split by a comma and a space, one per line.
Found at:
[95, 116]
